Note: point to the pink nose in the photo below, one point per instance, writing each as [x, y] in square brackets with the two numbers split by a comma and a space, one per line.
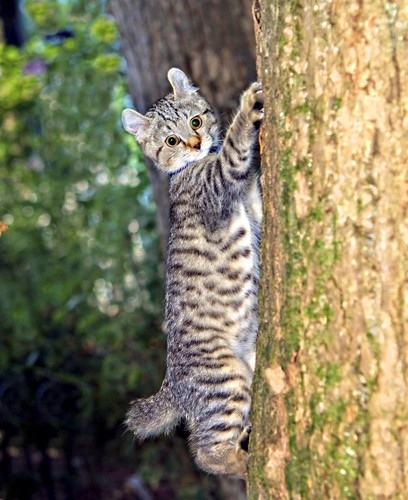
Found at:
[194, 142]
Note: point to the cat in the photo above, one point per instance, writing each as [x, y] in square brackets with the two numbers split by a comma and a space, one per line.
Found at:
[212, 272]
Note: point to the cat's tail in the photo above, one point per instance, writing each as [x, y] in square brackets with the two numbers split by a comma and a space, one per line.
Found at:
[153, 416]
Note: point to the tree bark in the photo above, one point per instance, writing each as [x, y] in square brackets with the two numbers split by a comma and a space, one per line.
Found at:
[330, 392]
[211, 40]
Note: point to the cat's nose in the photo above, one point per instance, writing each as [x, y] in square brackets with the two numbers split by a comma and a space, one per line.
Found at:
[194, 142]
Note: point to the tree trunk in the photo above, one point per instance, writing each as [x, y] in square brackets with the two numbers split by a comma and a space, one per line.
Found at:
[211, 40]
[330, 392]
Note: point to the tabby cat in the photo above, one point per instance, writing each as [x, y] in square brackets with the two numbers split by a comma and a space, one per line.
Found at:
[212, 272]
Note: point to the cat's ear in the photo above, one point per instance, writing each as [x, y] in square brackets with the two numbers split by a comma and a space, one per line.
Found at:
[135, 123]
[180, 83]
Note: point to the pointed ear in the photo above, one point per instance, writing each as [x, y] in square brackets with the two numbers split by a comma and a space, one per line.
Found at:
[179, 82]
[135, 123]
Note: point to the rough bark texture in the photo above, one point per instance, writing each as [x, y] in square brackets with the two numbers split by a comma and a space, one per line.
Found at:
[211, 40]
[330, 392]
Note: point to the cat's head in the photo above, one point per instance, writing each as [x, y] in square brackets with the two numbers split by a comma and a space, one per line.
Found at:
[179, 129]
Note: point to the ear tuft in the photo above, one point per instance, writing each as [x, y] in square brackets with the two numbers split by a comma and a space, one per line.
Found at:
[135, 123]
[180, 83]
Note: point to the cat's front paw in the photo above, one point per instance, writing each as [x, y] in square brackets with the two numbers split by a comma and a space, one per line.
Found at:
[252, 103]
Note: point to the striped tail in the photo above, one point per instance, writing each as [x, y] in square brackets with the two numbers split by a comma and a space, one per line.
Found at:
[153, 416]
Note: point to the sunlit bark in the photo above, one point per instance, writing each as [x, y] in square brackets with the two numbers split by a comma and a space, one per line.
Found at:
[330, 393]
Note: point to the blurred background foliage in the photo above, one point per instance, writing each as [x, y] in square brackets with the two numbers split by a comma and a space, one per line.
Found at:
[80, 269]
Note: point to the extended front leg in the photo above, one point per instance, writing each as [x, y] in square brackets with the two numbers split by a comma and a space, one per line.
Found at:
[236, 154]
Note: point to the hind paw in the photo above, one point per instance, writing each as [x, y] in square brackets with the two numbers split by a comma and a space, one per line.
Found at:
[223, 459]
[243, 438]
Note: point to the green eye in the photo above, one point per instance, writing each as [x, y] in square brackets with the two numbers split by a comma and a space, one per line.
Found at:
[172, 140]
[196, 122]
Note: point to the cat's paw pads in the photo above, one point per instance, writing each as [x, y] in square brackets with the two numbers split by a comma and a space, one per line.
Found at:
[252, 102]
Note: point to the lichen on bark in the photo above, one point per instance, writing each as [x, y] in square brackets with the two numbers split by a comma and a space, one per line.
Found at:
[332, 308]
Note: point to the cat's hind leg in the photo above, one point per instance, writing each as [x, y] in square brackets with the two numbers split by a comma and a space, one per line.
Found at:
[223, 458]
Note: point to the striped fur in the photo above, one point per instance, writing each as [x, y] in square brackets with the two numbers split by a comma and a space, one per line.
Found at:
[212, 274]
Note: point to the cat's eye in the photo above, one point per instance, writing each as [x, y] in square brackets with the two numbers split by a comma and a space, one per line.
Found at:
[172, 140]
[196, 122]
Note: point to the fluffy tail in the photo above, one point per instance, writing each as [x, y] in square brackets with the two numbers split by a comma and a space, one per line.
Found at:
[153, 416]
